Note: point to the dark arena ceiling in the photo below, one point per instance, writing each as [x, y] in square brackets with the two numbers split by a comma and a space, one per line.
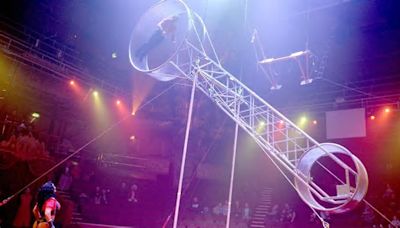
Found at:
[355, 43]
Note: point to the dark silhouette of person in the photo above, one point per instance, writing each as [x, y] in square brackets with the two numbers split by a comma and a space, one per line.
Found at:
[166, 28]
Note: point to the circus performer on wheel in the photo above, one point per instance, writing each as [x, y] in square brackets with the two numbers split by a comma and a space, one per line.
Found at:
[46, 207]
[166, 29]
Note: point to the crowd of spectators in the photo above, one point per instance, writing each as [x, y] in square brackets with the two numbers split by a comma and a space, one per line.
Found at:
[201, 213]
[99, 196]
[18, 137]
[283, 214]
[206, 205]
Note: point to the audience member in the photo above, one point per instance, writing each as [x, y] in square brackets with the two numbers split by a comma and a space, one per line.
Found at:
[206, 210]
[132, 194]
[272, 216]
[389, 193]
[236, 209]
[23, 216]
[65, 180]
[287, 214]
[97, 196]
[246, 212]
[195, 205]
[217, 210]
[123, 192]
[395, 223]
[104, 196]
[225, 209]
[368, 216]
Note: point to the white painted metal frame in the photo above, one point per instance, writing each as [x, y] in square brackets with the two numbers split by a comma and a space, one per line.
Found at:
[278, 137]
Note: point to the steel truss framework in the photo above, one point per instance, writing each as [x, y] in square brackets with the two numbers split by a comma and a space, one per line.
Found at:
[279, 138]
[44, 58]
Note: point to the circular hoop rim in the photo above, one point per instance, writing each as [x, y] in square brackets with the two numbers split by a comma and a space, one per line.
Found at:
[307, 161]
[131, 41]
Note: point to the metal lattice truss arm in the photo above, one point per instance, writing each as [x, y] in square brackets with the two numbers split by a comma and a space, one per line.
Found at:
[196, 59]
[273, 132]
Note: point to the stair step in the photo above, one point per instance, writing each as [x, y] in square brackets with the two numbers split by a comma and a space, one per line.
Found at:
[262, 211]
[256, 225]
[258, 219]
[258, 222]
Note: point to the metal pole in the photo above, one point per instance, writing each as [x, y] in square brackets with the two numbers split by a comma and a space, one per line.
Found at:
[228, 217]
[178, 195]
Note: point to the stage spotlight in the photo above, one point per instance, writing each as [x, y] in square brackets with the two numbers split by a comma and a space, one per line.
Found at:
[35, 115]
[95, 93]
[281, 122]
[261, 126]
[372, 117]
[72, 82]
[315, 122]
[132, 138]
[114, 55]
[302, 122]
[133, 113]
[387, 110]
[118, 102]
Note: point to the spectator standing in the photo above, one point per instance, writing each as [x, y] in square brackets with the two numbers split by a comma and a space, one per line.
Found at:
[23, 217]
[65, 180]
[217, 210]
[272, 216]
[246, 212]
[132, 195]
[97, 196]
[287, 214]
[236, 209]
[368, 216]
[195, 205]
